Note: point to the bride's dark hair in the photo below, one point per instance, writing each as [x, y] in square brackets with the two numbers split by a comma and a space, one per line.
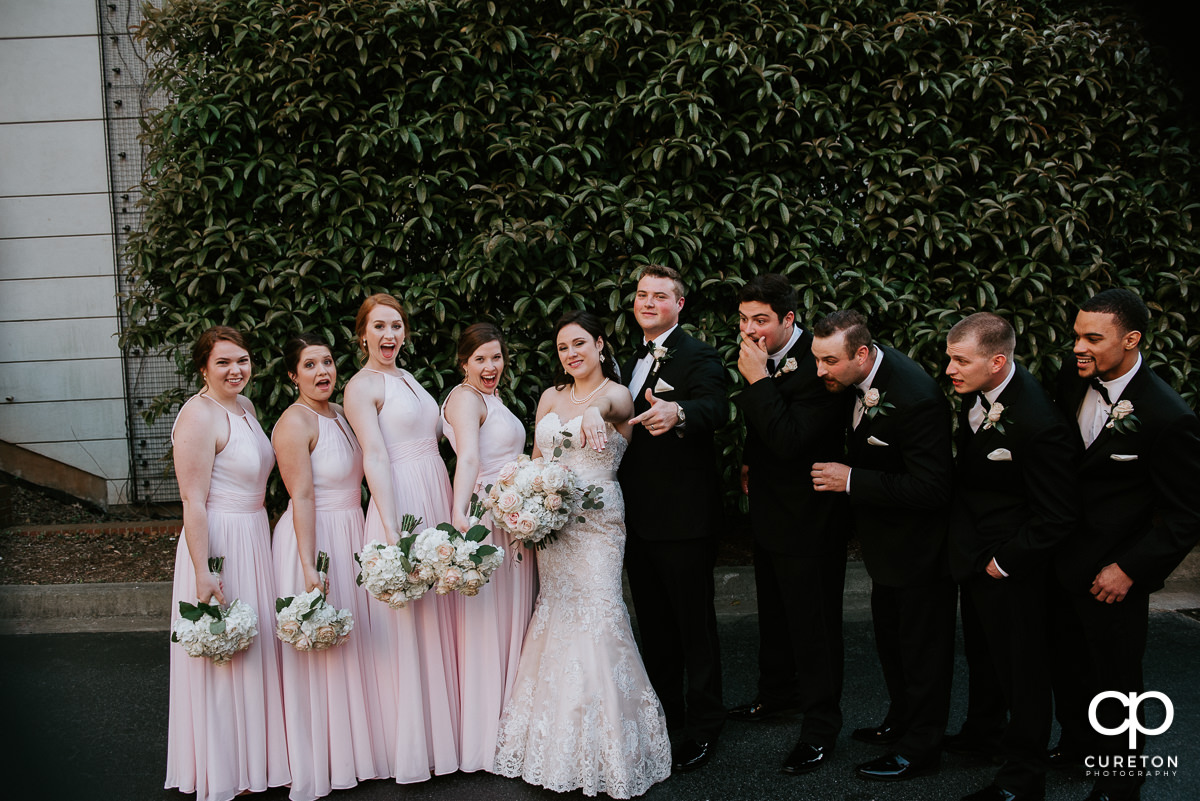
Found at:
[590, 323]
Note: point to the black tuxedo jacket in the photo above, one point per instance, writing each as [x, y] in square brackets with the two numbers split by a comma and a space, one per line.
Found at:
[792, 421]
[671, 483]
[1141, 508]
[1014, 509]
[900, 482]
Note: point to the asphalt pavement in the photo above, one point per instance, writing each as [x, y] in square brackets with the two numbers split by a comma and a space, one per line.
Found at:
[85, 717]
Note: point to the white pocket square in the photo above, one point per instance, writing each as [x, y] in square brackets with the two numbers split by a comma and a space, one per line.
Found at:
[661, 387]
[1124, 457]
[1000, 455]
[876, 441]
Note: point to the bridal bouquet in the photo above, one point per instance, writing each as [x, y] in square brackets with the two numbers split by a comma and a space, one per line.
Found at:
[307, 622]
[388, 572]
[533, 498]
[460, 561]
[210, 631]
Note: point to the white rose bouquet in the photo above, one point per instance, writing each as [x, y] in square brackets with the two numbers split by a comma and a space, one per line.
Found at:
[387, 572]
[461, 562]
[307, 622]
[208, 630]
[533, 499]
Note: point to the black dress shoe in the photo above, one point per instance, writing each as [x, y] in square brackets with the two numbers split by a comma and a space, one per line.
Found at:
[894, 768]
[969, 745]
[879, 735]
[1059, 757]
[805, 758]
[689, 755]
[760, 711]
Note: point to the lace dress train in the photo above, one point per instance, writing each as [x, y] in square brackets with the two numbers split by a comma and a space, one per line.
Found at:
[582, 714]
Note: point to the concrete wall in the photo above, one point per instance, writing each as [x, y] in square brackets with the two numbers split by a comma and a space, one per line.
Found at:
[61, 378]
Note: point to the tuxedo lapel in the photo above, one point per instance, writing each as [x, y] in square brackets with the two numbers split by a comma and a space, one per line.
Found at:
[671, 343]
[882, 383]
[1133, 393]
[799, 351]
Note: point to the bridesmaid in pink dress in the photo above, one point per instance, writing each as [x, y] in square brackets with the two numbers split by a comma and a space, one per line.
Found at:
[330, 697]
[397, 424]
[225, 731]
[491, 626]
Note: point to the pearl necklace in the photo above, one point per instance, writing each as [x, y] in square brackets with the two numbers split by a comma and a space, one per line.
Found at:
[580, 401]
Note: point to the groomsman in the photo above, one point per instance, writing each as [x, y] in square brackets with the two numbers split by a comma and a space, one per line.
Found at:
[897, 478]
[673, 513]
[1014, 501]
[1140, 517]
[799, 543]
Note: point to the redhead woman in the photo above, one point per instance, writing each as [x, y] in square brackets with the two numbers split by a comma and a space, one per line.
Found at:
[491, 626]
[330, 697]
[398, 425]
[582, 713]
[225, 734]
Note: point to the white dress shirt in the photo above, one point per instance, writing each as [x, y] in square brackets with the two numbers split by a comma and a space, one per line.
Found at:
[978, 414]
[642, 369]
[778, 355]
[1094, 411]
[864, 385]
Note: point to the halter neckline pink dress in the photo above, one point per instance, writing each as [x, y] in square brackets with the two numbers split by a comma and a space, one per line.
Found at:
[225, 731]
[491, 625]
[415, 646]
[331, 697]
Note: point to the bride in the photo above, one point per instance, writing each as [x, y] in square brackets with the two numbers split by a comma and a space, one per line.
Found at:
[582, 714]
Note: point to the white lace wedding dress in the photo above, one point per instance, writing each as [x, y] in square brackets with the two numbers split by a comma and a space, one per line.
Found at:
[582, 714]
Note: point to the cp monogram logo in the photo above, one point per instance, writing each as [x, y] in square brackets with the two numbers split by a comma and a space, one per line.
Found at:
[1132, 725]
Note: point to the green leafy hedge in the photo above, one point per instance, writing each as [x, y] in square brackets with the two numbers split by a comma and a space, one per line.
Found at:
[506, 160]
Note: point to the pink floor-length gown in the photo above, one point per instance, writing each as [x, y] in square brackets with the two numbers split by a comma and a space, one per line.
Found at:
[491, 625]
[331, 697]
[415, 646]
[225, 731]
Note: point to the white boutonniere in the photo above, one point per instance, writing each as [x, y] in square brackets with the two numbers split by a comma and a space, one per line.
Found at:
[994, 418]
[1121, 418]
[874, 403]
[661, 354]
[785, 368]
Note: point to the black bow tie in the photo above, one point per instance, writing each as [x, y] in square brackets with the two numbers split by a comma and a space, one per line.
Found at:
[1103, 390]
[987, 404]
[643, 350]
[770, 367]
[858, 391]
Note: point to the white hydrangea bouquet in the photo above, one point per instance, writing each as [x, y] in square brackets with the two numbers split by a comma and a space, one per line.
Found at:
[533, 498]
[389, 574]
[209, 631]
[461, 561]
[307, 622]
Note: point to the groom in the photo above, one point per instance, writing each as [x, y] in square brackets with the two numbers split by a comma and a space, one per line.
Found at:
[673, 513]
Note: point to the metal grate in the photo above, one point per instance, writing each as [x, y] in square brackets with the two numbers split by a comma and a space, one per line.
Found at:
[147, 375]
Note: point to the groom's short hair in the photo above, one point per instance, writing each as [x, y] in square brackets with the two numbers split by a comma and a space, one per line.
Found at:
[854, 324]
[663, 271]
[772, 289]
